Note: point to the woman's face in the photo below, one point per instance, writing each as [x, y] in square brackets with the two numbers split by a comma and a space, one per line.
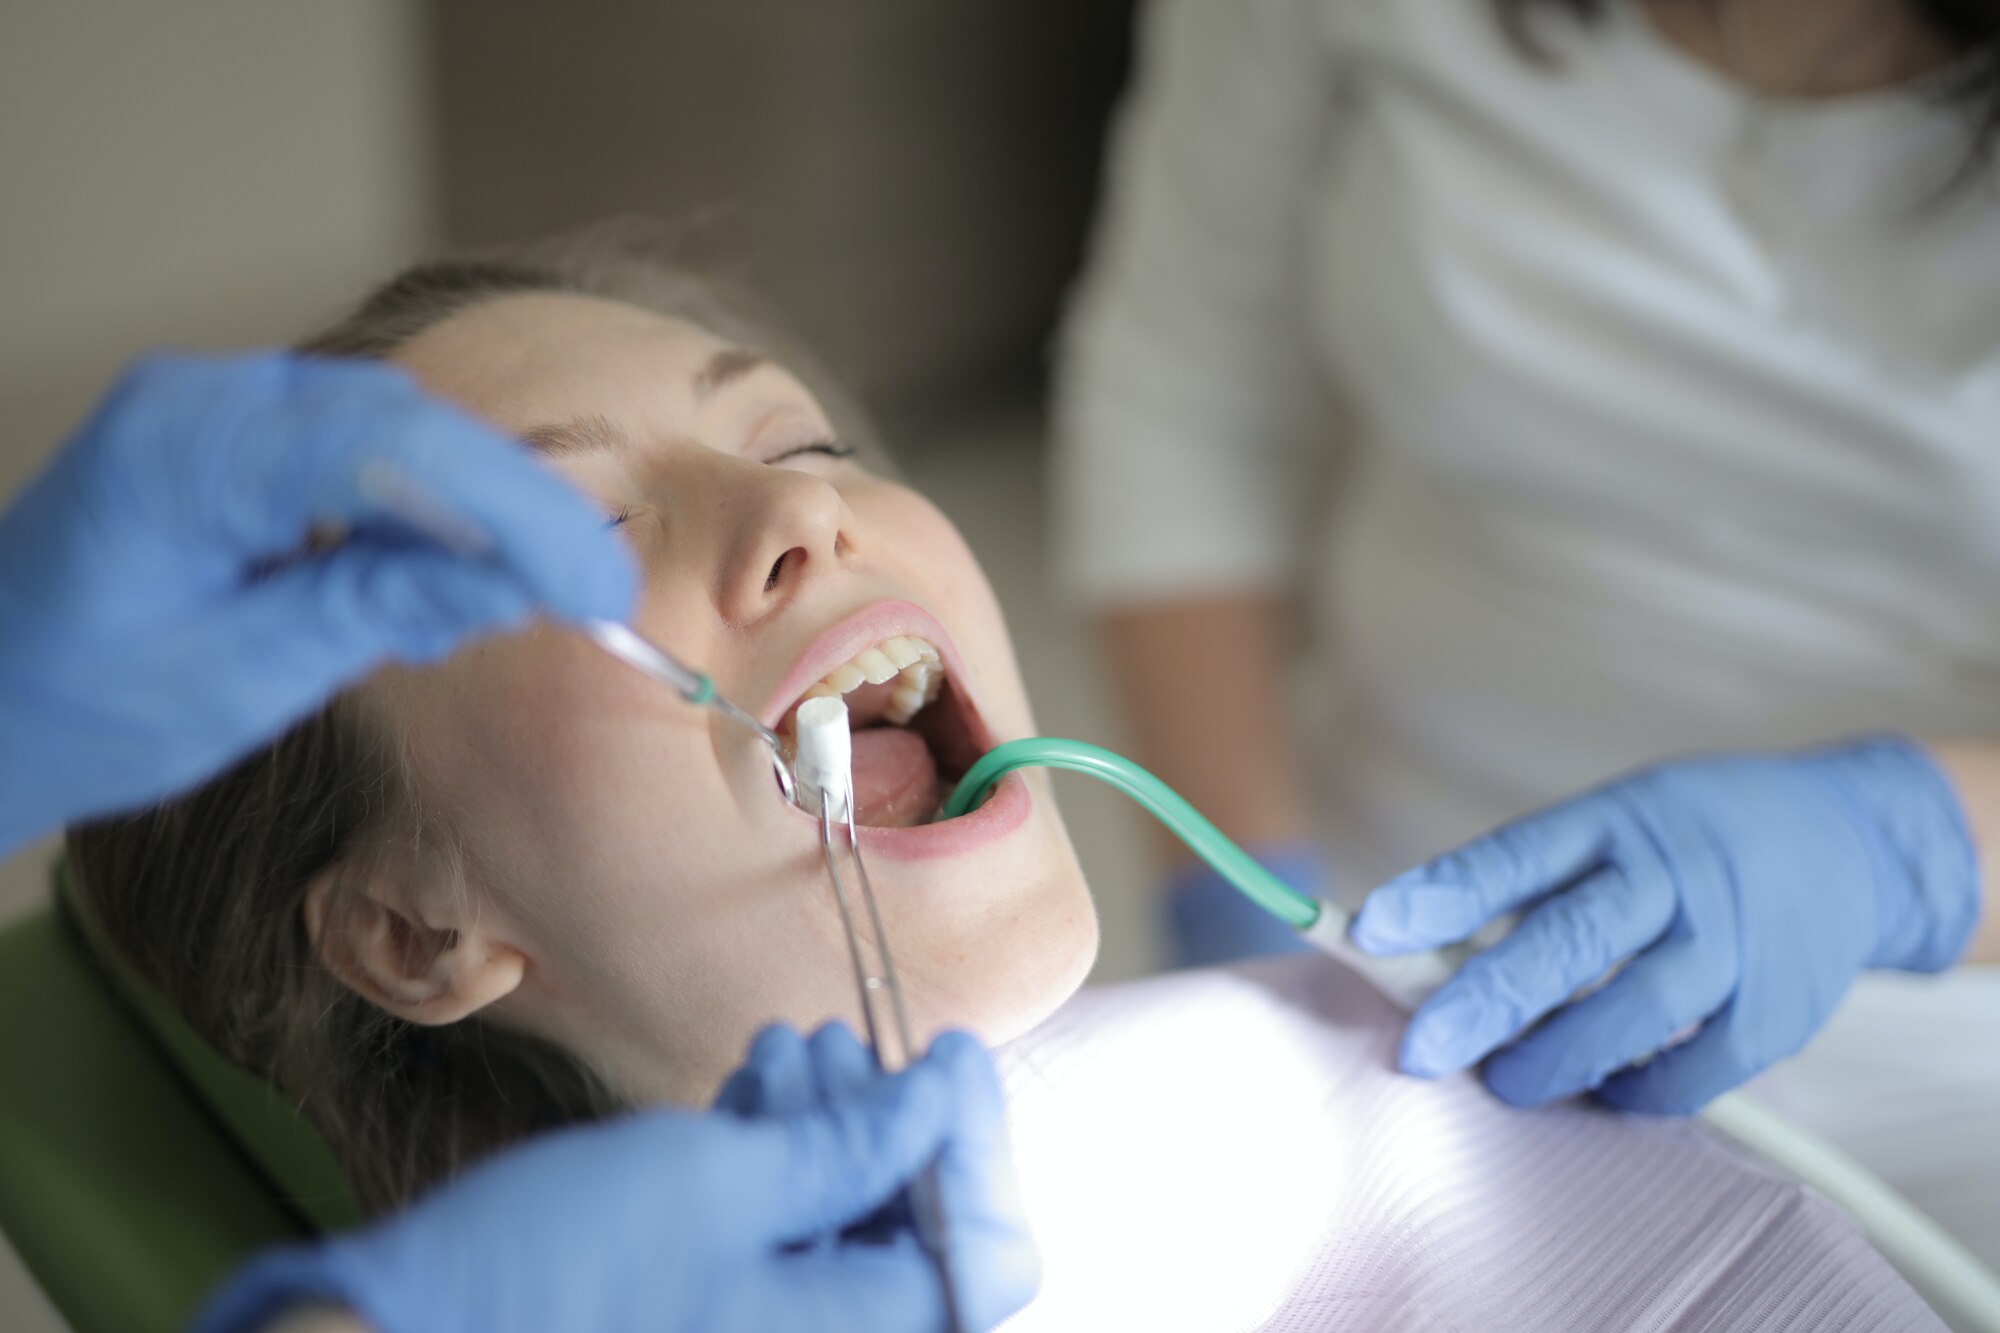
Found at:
[630, 853]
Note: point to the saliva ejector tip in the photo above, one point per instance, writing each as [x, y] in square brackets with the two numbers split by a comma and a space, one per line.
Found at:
[824, 759]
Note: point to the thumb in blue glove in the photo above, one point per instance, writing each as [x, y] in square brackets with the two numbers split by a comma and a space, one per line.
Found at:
[1738, 896]
[205, 563]
[668, 1221]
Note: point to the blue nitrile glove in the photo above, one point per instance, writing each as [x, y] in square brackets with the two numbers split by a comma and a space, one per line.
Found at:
[160, 614]
[1209, 921]
[992, 1259]
[672, 1221]
[1746, 891]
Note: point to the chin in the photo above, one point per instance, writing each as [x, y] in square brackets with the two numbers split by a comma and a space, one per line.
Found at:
[1002, 991]
[1053, 993]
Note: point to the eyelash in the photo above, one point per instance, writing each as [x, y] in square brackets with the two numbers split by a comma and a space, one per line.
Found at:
[829, 448]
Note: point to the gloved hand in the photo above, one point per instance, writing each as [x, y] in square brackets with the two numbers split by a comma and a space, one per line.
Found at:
[993, 1262]
[160, 614]
[1746, 891]
[1210, 922]
[667, 1221]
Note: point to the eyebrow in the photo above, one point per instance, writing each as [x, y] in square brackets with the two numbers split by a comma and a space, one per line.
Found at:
[579, 435]
[725, 368]
[594, 433]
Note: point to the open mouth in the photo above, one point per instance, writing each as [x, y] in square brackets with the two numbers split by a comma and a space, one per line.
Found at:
[915, 730]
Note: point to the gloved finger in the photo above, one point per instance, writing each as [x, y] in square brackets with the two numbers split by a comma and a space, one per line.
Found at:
[1665, 990]
[1570, 941]
[826, 1168]
[1447, 899]
[423, 604]
[892, 1287]
[1682, 1080]
[841, 1066]
[990, 1252]
[740, 1094]
[775, 1079]
[432, 459]
[412, 603]
[262, 449]
[315, 628]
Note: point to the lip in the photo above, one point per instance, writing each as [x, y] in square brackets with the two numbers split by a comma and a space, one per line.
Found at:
[864, 629]
[1003, 812]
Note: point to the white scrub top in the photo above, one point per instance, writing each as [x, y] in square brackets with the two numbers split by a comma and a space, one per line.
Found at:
[1671, 414]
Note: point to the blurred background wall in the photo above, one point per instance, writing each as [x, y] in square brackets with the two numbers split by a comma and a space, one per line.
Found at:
[907, 182]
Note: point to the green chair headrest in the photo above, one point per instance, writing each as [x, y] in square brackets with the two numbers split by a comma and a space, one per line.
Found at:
[264, 1123]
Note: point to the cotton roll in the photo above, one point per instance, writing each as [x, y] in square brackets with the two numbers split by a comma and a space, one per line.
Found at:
[825, 758]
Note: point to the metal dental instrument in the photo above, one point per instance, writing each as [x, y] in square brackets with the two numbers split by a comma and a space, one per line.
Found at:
[394, 490]
[825, 770]
[625, 644]
[825, 773]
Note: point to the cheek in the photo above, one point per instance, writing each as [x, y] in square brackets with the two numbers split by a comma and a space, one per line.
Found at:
[910, 537]
[558, 768]
[595, 816]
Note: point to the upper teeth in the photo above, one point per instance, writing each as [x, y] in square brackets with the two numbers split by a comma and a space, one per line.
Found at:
[913, 663]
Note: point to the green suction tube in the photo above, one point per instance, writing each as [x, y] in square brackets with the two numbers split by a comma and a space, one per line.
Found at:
[1405, 980]
[1165, 804]
[1940, 1268]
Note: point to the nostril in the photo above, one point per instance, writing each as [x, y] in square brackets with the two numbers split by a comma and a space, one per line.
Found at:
[778, 569]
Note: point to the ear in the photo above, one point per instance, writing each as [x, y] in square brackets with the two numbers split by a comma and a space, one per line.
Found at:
[421, 955]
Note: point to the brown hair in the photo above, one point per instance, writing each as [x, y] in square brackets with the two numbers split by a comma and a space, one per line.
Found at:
[204, 896]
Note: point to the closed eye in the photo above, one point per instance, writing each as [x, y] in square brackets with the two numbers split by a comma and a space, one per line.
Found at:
[828, 448]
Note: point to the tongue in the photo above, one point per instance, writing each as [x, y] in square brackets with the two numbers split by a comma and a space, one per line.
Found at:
[895, 778]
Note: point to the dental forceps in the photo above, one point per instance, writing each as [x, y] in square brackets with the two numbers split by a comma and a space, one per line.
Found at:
[824, 758]
[396, 492]
[879, 987]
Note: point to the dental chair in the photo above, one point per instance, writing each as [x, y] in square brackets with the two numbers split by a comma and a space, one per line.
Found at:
[137, 1166]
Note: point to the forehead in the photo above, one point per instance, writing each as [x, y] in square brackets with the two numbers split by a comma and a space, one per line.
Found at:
[532, 357]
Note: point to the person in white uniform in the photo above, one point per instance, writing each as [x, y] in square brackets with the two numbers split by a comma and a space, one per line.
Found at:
[1661, 344]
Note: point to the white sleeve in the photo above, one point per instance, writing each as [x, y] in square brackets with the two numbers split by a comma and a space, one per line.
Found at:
[1185, 388]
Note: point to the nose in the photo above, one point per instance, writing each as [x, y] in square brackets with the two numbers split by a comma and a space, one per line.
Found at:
[784, 532]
